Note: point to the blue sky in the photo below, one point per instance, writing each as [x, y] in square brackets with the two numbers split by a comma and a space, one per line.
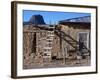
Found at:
[51, 17]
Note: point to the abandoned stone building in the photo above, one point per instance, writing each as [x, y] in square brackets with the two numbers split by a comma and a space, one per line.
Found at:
[72, 32]
[38, 42]
[44, 43]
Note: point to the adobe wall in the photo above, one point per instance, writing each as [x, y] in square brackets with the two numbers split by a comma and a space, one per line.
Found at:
[73, 32]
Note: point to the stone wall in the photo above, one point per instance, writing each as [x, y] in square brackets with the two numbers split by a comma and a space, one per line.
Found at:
[28, 44]
[34, 43]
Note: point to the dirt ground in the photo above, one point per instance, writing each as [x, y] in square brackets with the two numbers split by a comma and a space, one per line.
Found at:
[59, 63]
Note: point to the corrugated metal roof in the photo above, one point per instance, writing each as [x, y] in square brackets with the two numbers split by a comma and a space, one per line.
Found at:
[84, 19]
